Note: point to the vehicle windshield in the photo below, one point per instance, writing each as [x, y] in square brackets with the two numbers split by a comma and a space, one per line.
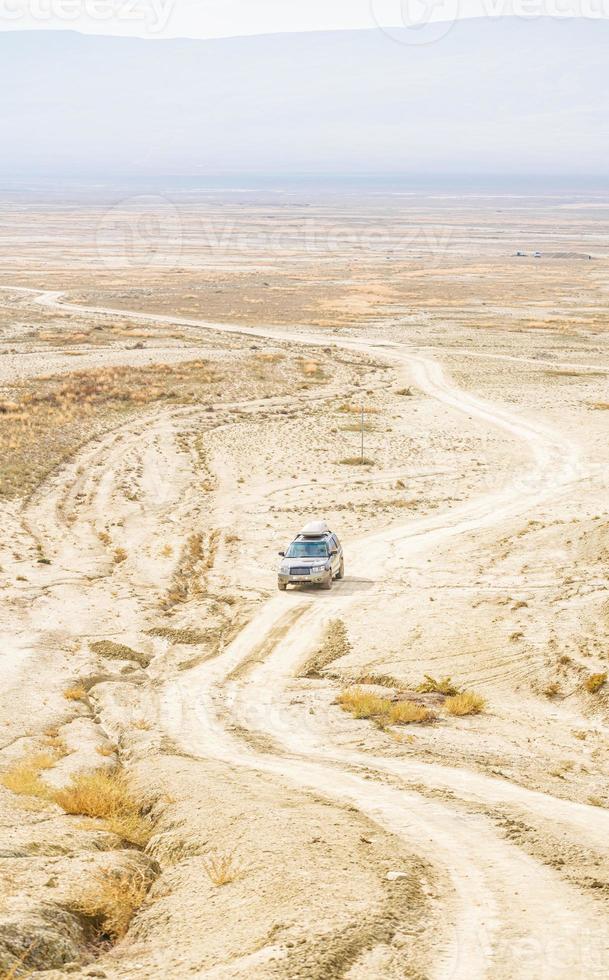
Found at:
[307, 549]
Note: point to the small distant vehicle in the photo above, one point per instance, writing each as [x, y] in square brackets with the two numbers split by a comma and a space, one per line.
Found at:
[314, 556]
[536, 255]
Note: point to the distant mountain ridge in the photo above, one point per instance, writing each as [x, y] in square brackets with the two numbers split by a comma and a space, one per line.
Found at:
[494, 95]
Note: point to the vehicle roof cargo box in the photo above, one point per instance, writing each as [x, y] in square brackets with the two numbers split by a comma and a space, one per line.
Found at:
[315, 529]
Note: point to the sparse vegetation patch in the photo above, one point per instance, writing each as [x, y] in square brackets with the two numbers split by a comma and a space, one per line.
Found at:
[46, 419]
[595, 682]
[466, 703]
[106, 795]
[365, 704]
[431, 685]
[113, 899]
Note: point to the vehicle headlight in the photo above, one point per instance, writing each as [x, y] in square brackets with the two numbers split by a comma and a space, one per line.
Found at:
[285, 566]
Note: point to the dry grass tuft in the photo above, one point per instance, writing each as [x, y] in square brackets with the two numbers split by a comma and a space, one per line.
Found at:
[335, 644]
[595, 682]
[365, 704]
[311, 369]
[222, 867]
[24, 779]
[142, 723]
[113, 901]
[466, 703]
[408, 713]
[119, 556]
[78, 693]
[108, 796]
[551, 690]
[431, 685]
[356, 461]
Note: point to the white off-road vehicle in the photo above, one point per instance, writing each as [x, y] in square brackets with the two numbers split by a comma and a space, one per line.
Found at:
[314, 556]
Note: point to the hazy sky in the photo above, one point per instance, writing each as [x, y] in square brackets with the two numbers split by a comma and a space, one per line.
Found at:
[226, 18]
[491, 96]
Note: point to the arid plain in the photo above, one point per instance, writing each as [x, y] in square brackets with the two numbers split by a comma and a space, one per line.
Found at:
[403, 777]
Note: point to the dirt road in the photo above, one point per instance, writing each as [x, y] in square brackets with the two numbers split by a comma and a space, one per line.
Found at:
[507, 913]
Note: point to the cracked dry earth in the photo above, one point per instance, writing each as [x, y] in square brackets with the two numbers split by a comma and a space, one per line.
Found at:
[140, 573]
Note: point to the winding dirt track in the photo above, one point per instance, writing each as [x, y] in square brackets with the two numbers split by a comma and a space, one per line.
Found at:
[507, 915]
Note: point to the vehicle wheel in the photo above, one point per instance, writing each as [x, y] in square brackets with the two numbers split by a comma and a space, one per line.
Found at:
[328, 583]
[341, 571]
[282, 586]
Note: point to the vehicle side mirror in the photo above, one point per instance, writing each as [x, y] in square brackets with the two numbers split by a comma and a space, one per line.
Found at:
[282, 554]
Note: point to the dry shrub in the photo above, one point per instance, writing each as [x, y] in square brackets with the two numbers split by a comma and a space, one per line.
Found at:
[365, 704]
[594, 682]
[222, 867]
[142, 724]
[312, 369]
[75, 694]
[102, 795]
[408, 713]
[356, 461]
[431, 685]
[551, 690]
[108, 796]
[603, 406]
[270, 357]
[335, 644]
[114, 899]
[120, 555]
[466, 703]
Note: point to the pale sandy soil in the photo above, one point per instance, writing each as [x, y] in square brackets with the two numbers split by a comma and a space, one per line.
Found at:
[476, 546]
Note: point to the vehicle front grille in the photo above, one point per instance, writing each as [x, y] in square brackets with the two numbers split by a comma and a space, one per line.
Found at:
[299, 571]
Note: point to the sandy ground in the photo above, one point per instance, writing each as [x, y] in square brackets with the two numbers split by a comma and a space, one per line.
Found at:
[476, 547]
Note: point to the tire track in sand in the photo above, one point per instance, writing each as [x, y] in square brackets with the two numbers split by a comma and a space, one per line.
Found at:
[509, 916]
